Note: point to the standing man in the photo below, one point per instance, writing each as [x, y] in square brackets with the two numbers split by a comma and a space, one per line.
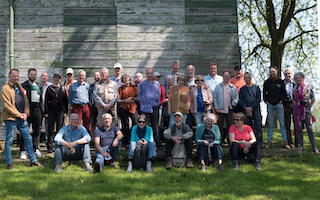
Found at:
[93, 107]
[238, 79]
[225, 97]
[43, 88]
[213, 79]
[249, 100]
[105, 96]
[34, 96]
[274, 93]
[69, 81]
[15, 113]
[79, 99]
[288, 105]
[175, 71]
[149, 97]
[191, 76]
[117, 67]
[138, 78]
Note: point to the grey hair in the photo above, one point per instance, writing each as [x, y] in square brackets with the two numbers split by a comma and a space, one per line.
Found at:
[104, 69]
[81, 70]
[106, 114]
[211, 116]
[299, 74]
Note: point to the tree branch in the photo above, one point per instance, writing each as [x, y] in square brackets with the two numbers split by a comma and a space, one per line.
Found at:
[270, 18]
[304, 9]
[286, 15]
[300, 34]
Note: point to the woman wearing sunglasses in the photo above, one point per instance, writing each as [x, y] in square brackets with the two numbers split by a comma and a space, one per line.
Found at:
[243, 142]
[142, 134]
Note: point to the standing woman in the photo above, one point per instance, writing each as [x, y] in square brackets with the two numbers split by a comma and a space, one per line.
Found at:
[127, 106]
[303, 99]
[200, 99]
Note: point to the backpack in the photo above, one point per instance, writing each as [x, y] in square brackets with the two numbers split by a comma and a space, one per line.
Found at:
[140, 156]
[179, 155]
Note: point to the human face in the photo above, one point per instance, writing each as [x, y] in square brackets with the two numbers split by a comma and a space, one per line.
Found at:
[74, 121]
[104, 74]
[97, 76]
[213, 70]
[273, 73]
[178, 120]
[158, 78]
[14, 77]
[149, 74]
[139, 77]
[81, 77]
[181, 82]
[127, 81]
[287, 75]
[69, 76]
[117, 71]
[299, 80]
[107, 120]
[200, 83]
[44, 77]
[209, 122]
[56, 80]
[170, 81]
[175, 68]
[226, 77]
[190, 70]
[141, 123]
[32, 75]
[238, 73]
[247, 79]
[238, 121]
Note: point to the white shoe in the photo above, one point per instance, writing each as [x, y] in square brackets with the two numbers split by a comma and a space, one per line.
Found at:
[23, 155]
[149, 166]
[129, 169]
[38, 153]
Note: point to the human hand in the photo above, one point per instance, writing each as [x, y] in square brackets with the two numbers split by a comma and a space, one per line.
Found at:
[115, 142]
[205, 142]
[23, 116]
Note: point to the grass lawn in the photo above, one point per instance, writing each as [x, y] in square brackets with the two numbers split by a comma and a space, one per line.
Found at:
[289, 175]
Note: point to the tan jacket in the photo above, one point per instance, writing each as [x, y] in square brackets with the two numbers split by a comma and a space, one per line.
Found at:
[206, 95]
[10, 112]
[180, 99]
[105, 93]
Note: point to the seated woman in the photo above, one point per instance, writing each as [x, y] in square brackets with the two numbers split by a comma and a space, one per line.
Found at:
[142, 134]
[208, 139]
[243, 142]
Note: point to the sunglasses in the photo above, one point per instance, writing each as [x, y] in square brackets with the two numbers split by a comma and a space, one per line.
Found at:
[200, 80]
[141, 122]
[237, 119]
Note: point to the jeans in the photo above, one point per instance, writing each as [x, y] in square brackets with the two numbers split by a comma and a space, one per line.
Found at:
[203, 152]
[153, 118]
[171, 120]
[279, 108]
[187, 143]
[62, 153]
[254, 153]
[113, 151]
[23, 128]
[151, 150]
[255, 121]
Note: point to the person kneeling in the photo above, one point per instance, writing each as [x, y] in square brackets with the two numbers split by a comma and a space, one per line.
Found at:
[208, 139]
[72, 143]
[106, 139]
[142, 149]
[243, 142]
[178, 133]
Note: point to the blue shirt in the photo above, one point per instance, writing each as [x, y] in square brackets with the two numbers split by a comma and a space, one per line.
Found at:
[66, 134]
[212, 82]
[106, 136]
[200, 104]
[149, 95]
[79, 93]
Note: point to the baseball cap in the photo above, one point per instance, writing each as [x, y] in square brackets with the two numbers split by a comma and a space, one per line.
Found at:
[117, 65]
[56, 76]
[178, 113]
[69, 71]
[157, 74]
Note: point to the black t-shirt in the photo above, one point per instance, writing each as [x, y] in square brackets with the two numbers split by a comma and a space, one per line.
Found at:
[208, 135]
[106, 136]
[19, 100]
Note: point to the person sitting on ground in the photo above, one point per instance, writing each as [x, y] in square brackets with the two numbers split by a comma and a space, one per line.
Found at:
[243, 142]
[142, 134]
[177, 133]
[106, 139]
[208, 139]
[72, 143]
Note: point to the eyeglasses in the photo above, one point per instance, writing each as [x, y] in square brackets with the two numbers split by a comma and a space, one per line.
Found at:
[141, 122]
[237, 119]
[200, 80]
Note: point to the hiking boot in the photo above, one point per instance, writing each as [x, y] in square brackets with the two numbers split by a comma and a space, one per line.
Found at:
[169, 163]
[87, 167]
[23, 155]
[257, 164]
[129, 169]
[57, 169]
[38, 153]
[149, 166]
[202, 167]
[286, 146]
[221, 167]
[189, 163]
[97, 168]
[235, 165]
[9, 166]
[36, 164]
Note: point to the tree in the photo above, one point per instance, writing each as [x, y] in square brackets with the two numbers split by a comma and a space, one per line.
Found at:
[275, 32]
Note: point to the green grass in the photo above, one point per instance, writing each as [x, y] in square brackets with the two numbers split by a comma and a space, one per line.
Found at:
[292, 177]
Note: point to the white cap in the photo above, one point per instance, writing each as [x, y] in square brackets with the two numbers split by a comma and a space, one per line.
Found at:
[178, 113]
[157, 74]
[69, 71]
[117, 65]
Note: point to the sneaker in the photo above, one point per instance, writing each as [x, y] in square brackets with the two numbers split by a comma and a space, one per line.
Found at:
[189, 163]
[23, 155]
[169, 163]
[97, 168]
[87, 167]
[35, 164]
[149, 166]
[235, 165]
[129, 169]
[38, 153]
[202, 167]
[258, 165]
[316, 151]
[57, 169]
[286, 146]
[9, 166]
[221, 167]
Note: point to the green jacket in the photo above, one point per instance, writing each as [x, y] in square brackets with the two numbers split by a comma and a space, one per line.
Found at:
[215, 129]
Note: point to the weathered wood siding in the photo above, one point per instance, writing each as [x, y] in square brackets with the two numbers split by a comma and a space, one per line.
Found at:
[52, 35]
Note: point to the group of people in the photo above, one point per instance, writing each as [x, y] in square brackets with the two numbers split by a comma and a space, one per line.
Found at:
[210, 111]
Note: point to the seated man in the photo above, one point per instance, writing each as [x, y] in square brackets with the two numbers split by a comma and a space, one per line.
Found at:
[72, 143]
[175, 134]
[106, 140]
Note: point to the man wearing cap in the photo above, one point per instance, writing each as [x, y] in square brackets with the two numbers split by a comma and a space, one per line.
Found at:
[213, 79]
[55, 107]
[79, 99]
[178, 132]
[70, 80]
[105, 95]
[117, 67]
[238, 79]
[14, 115]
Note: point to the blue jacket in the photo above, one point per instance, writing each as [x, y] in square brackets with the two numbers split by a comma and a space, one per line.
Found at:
[218, 96]
[214, 129]
[250, 97]
[148, 137]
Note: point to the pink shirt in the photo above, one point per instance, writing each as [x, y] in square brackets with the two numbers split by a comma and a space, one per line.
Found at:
[241, 135]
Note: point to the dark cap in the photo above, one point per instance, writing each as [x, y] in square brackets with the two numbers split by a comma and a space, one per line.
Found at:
[56, 76]
[237, 67]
